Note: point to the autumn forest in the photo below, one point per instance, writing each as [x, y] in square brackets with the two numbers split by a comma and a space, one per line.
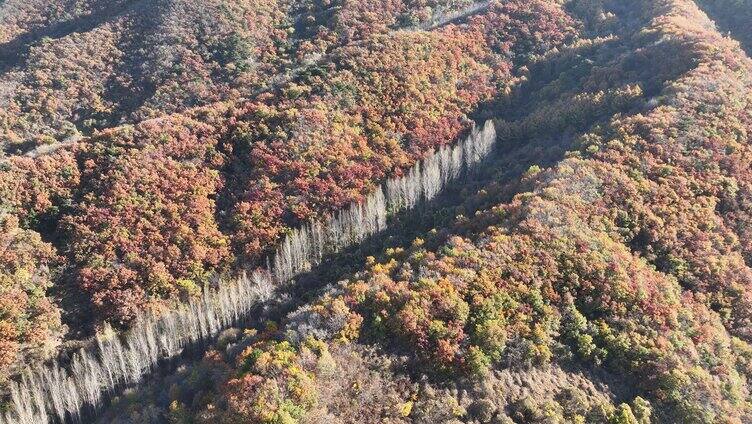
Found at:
[384, 211]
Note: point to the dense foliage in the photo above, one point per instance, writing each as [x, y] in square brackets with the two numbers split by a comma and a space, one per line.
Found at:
[629, 257]
[132, 61]
[73, 67]
[147, 212]
[599, 270]
[29, 322]
[733, 16]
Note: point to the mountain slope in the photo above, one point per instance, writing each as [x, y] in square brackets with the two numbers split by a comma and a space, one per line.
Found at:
[622, 272]
[145, 215]
[596, 269]
[732, 16]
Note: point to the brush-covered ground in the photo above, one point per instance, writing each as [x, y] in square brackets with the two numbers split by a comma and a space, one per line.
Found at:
[596, 270]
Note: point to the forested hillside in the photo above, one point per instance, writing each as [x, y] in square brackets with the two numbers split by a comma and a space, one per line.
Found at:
[732, 16]
[595, 268]
[72, 67]
[143, 215]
